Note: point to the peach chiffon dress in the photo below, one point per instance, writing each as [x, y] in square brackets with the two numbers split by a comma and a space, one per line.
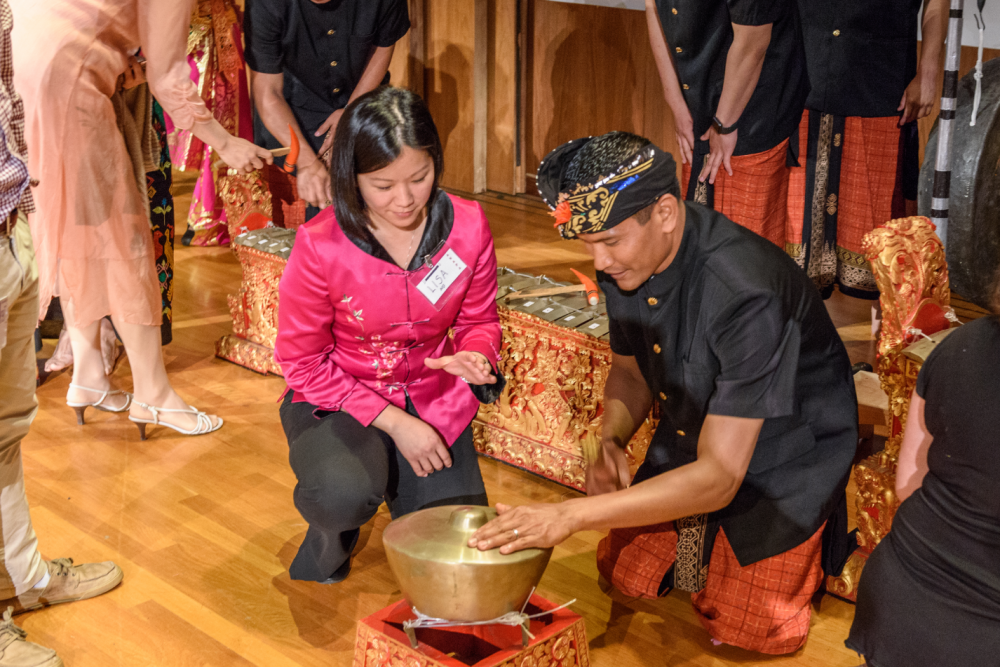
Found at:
[91, 230]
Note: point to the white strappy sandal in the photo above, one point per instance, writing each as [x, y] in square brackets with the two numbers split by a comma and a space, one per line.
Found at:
[80, 408]
[203, 426]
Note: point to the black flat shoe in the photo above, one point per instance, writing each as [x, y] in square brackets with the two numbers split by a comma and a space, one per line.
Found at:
[339, 574]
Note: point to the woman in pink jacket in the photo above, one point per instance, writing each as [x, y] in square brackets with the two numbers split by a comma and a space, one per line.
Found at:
[388, 335]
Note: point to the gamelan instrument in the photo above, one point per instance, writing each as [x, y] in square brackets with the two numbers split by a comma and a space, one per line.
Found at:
[973, 241]
[443, 577]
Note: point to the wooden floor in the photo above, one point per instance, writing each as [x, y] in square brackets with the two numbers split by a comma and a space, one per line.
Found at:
[205, 529]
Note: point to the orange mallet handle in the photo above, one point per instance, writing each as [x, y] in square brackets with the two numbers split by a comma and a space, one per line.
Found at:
[293, 152]
[590, 286]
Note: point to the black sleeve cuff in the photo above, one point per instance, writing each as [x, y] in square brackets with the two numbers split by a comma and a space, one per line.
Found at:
[489, 393]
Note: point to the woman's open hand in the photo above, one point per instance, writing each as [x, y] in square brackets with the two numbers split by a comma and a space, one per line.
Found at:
[472, 367]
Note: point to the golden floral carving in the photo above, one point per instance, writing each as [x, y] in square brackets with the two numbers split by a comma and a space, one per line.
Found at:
[908, 262]
[550, 412]
[249, 355]
[846, 585]
[247, 201]
[567, 648]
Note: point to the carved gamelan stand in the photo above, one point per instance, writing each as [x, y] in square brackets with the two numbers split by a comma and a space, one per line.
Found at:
[908, 261]
[260, 202]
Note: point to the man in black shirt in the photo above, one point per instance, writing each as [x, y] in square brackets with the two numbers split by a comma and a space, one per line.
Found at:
[309, 59]
[859, 134]
[741, 498]
[733, 74]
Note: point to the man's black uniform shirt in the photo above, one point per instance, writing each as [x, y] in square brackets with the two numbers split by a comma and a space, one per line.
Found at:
[699, 34]
[860, 55]
[321, 49]
[733, 327]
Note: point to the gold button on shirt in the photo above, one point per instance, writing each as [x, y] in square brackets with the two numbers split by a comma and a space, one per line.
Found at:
[656, 348]
[836, 33]
[652, 301]
[663, 396]
[333, 64]
[681, 433]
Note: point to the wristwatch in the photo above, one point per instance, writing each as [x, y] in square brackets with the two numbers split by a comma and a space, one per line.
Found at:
[722, 129]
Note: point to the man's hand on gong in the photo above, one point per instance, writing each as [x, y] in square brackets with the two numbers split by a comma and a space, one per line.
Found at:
[516, 528]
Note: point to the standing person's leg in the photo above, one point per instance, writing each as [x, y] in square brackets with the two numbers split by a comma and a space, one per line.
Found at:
[26, 581]
[151, 385]
[21, 566]
[342, 469]
[154, 396]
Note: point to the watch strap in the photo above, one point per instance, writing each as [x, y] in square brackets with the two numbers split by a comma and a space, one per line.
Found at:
[722, 129]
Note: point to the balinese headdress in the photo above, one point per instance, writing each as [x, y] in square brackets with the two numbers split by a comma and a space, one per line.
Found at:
[601, 203]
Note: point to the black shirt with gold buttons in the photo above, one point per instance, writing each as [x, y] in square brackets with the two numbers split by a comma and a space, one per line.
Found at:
[320, 48]
[733, 327]
[860, 55]
[700, 32]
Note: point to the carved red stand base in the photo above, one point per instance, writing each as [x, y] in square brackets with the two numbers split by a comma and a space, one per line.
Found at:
[560, 641]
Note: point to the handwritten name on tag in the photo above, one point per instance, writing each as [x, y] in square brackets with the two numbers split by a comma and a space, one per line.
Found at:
[441, 277]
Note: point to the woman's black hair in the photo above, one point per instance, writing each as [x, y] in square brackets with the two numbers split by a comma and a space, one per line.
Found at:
[371, 135]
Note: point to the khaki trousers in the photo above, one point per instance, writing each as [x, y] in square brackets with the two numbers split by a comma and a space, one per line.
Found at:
[21, 566]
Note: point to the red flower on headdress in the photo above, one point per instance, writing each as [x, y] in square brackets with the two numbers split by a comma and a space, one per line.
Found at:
[562, 213]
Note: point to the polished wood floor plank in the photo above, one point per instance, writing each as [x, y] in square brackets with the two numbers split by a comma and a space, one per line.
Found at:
[205, 527]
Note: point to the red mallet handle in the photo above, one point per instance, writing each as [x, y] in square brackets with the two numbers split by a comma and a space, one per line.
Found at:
[590, 286]
[293, 152]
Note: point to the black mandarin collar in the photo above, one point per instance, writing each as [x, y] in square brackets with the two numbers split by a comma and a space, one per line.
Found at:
[662, 283]
[440, 220]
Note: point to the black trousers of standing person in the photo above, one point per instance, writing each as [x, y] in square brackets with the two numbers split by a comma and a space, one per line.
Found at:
[345, 471]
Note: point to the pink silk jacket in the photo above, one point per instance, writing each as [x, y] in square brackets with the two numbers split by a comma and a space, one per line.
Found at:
[353, 330]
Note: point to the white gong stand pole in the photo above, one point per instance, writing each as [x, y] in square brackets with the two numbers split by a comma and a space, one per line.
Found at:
[946, 121]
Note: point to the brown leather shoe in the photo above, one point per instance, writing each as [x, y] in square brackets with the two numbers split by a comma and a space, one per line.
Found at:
[16, 651]
[68, 583]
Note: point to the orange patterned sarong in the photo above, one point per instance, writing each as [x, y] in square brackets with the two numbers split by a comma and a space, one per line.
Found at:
[850, 181]
[762, 607]
[754, 196]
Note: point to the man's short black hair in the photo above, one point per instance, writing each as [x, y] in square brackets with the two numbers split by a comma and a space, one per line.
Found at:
[602, 155]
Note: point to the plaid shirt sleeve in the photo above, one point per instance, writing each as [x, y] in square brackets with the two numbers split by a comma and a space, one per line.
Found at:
[14, 179]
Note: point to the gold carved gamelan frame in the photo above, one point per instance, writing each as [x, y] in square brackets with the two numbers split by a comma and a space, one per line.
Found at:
[908, 261]
[550, 412]
[249, 206]
[551, 407]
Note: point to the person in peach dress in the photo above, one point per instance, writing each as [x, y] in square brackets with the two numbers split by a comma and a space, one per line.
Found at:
[91, 227]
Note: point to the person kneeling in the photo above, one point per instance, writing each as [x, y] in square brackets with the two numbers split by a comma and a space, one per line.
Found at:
[380, 396]
[741, 498]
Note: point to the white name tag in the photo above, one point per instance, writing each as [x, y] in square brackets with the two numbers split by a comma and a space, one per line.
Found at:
[441, 277]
